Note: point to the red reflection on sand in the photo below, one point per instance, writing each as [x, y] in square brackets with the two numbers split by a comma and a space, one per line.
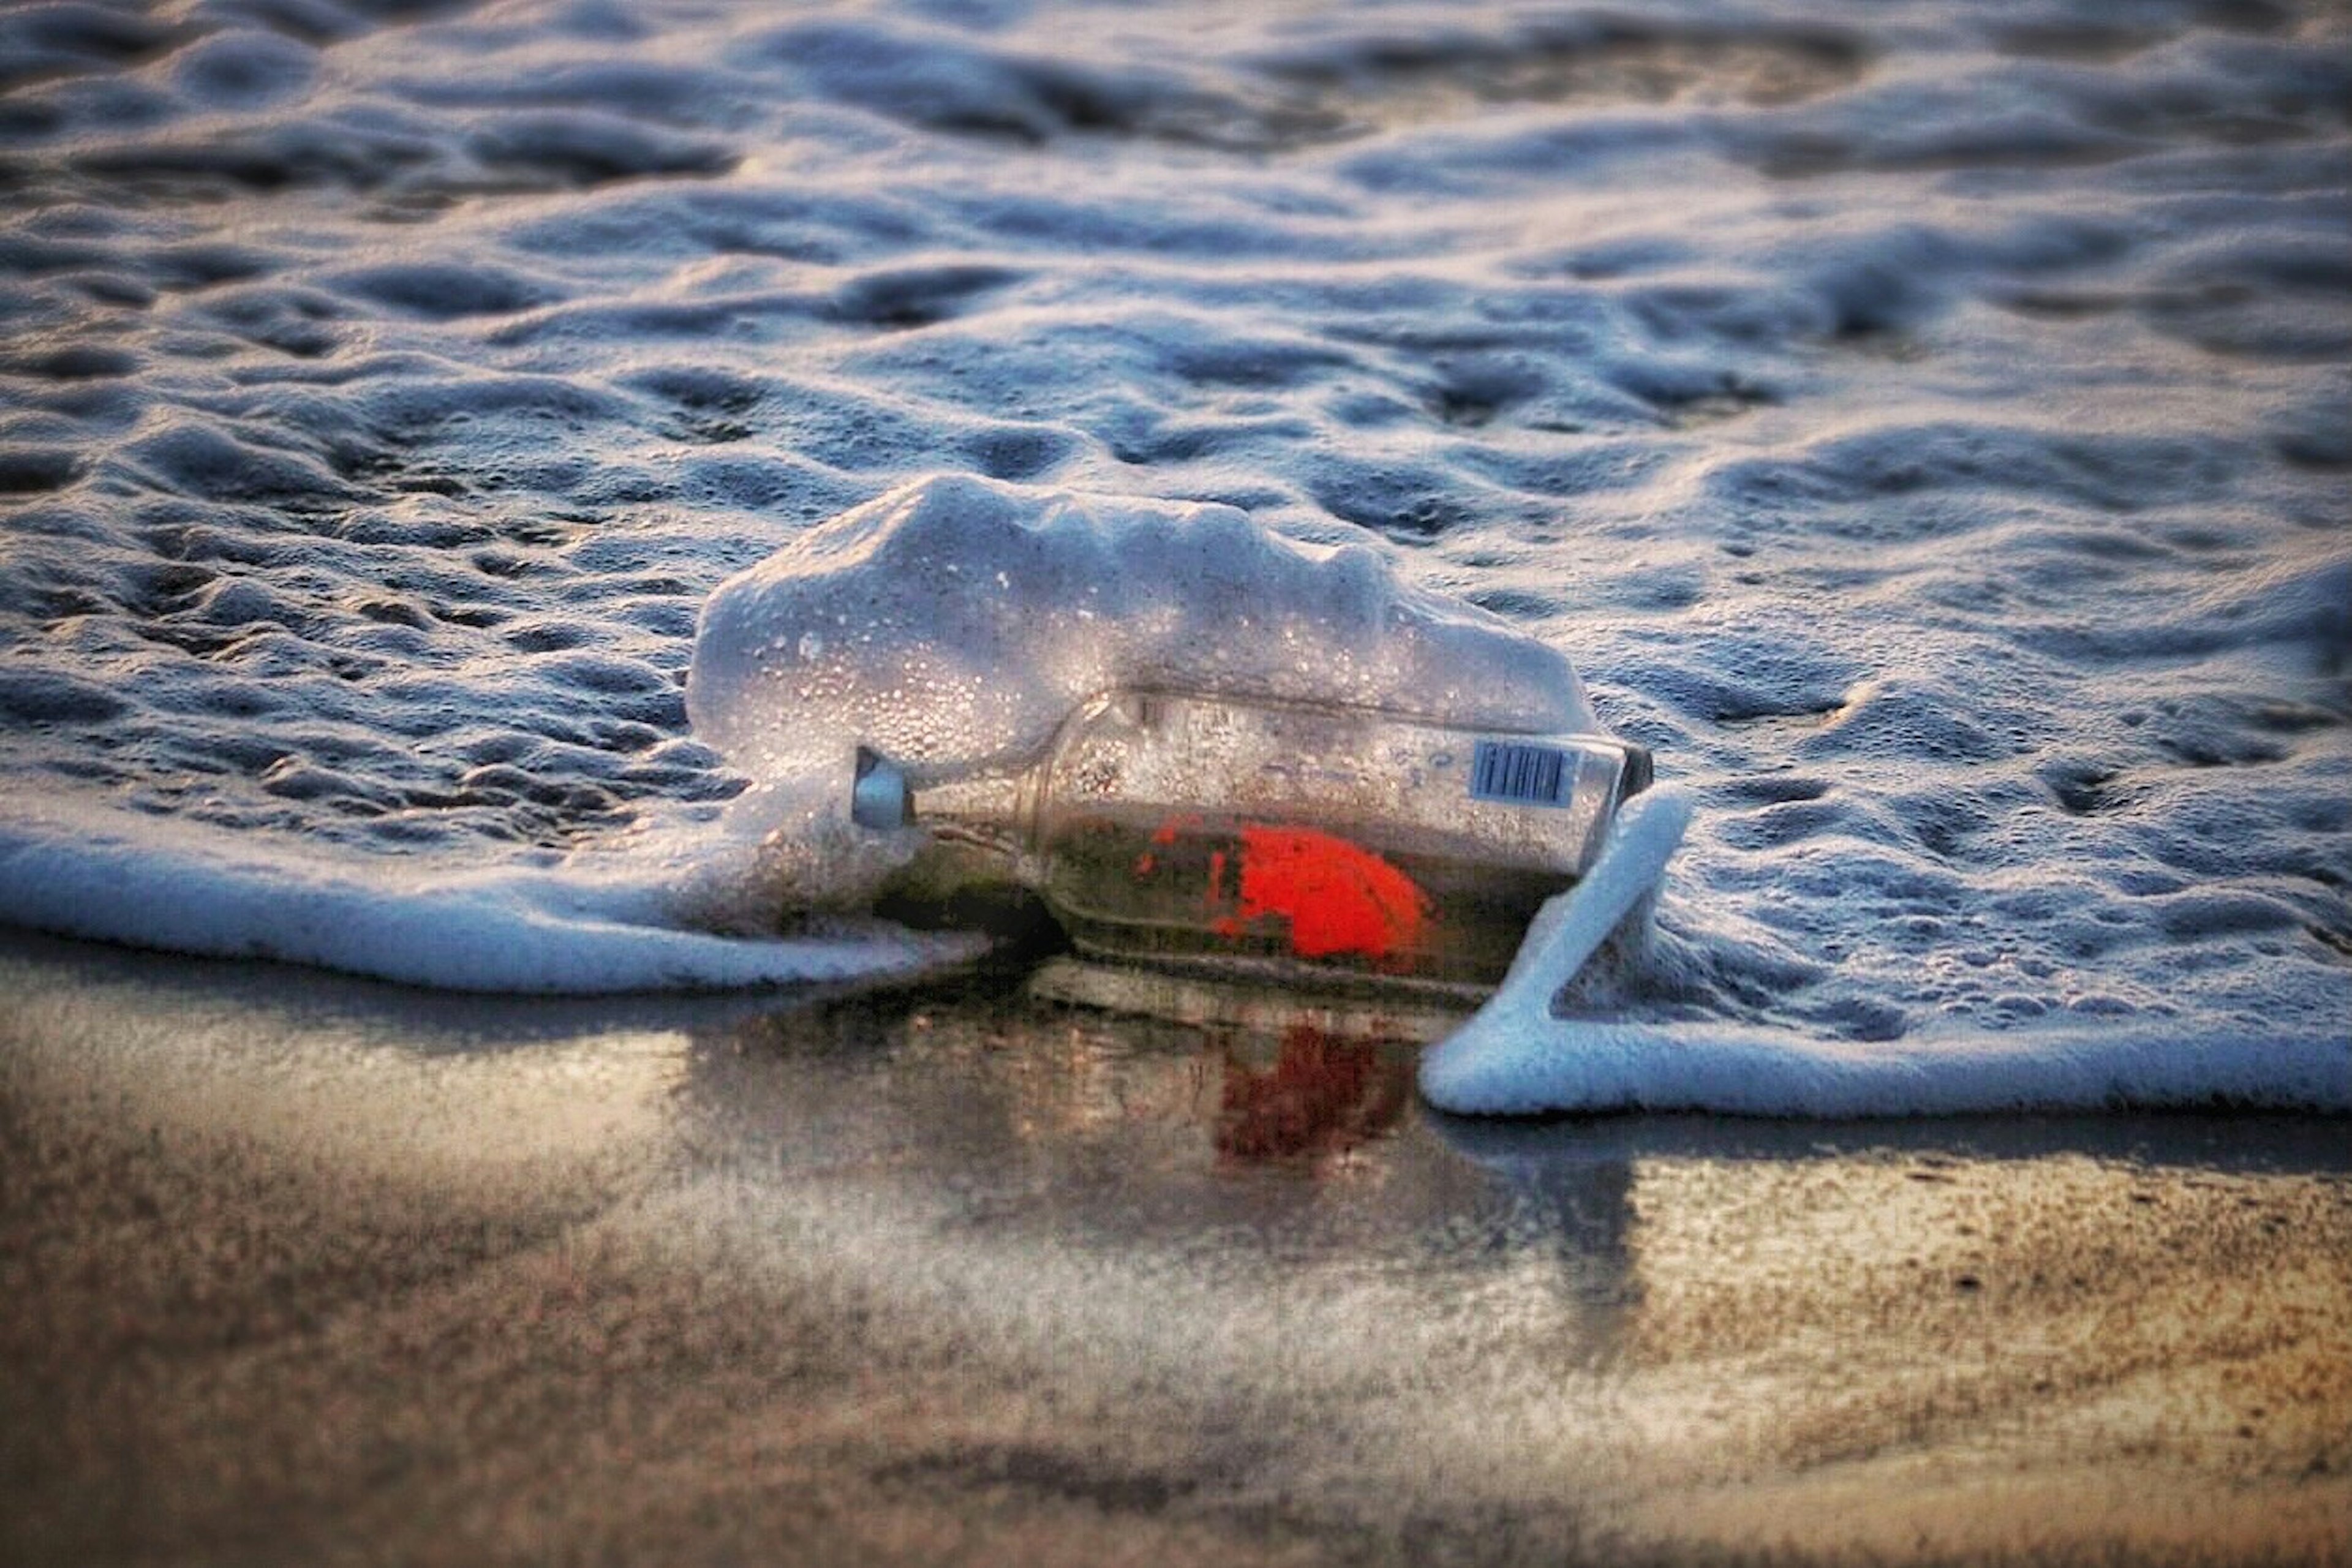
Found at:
[1322, 1096]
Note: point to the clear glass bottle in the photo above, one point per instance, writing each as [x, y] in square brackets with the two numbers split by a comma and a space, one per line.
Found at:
[1276, 840]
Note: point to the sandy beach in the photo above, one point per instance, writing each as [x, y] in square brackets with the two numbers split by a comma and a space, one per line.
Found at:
[297, 1269]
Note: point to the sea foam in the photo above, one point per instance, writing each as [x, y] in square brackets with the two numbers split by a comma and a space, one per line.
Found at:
[1921, 424]
[579, 930]
[955, 621]
[1517, 1055]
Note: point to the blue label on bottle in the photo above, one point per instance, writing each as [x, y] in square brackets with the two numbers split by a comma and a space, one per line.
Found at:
[1521, 773]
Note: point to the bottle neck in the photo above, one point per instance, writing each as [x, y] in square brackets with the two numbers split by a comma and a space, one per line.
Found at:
[995, 811]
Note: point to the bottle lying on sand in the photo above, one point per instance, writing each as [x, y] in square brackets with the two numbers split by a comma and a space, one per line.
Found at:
[1279, 841]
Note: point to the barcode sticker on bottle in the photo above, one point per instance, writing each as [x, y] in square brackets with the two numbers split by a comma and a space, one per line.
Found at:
[1521, 773]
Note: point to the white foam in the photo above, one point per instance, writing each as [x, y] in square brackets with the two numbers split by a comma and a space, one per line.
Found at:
[1946, 484]
[1517, 1056]
[954, 622]
[78, 870]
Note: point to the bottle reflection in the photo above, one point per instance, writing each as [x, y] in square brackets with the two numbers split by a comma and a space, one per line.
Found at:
[1320, 1096]
[1281, 1147]
[1164, 1074]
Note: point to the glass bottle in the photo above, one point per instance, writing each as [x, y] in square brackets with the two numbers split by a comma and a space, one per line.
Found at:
[1278, 840]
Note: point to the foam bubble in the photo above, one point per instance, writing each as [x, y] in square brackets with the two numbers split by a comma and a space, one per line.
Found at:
[955, 621]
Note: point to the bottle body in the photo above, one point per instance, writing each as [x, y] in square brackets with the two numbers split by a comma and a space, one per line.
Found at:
[1296, 842]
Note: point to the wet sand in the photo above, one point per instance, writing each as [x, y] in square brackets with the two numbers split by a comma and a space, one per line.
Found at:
[294, 1268]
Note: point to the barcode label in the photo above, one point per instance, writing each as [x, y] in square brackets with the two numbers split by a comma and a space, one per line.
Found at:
[1523, 774]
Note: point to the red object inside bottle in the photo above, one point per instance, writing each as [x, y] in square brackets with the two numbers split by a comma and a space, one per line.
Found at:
[1333, 896]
